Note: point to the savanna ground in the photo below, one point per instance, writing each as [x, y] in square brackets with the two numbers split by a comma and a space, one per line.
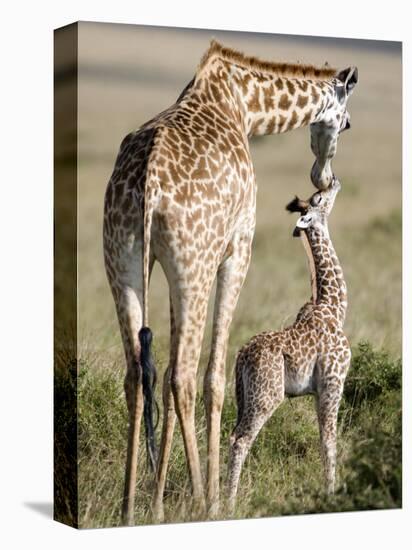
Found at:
[128, 74]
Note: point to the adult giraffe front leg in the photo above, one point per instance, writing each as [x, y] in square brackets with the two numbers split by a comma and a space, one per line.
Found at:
[230, 277]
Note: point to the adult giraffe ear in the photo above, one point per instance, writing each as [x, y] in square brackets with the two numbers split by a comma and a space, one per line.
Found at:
[349, 79]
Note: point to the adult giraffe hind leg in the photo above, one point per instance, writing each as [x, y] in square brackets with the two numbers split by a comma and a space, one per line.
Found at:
[129, 311]
[169, 421]
[230, 278]
[124, 271]
[190, 310]
[134, 398]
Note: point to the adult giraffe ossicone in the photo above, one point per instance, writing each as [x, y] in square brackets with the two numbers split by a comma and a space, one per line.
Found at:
[183, 193]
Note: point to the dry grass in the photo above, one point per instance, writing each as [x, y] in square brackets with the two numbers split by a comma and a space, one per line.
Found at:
[126, 76]
[283, 473]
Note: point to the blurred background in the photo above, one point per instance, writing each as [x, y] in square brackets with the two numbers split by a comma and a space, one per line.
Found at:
[128, 74]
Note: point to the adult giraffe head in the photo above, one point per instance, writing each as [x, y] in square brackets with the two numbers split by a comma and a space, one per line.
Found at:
[332, 120]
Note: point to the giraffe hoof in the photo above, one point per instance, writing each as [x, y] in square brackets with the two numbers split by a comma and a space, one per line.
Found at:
[230, 508]
[213, 510]
[158, 515]
[198, 509]
[127, 521]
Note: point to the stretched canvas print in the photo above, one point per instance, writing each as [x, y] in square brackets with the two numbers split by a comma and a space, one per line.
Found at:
[227, 275]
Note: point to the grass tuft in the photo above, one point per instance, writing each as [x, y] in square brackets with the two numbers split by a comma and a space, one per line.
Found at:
[283, 472]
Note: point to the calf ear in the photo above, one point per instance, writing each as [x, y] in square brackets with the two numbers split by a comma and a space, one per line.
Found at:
[349, 78]
[304, 222]
[297, 205]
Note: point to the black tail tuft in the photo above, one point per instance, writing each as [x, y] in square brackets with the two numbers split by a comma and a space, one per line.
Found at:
[149, 378]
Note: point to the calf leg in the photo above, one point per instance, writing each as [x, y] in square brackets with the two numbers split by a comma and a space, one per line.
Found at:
[327, 408]
[262, 395]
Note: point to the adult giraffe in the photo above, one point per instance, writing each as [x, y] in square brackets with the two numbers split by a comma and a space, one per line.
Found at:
[183, 193]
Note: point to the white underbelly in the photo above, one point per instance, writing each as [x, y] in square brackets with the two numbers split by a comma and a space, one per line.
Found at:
[296, 385]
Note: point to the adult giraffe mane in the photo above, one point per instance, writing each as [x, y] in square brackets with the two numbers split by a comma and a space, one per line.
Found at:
[297, 70]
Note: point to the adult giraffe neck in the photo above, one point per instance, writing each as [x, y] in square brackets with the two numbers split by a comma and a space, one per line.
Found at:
[274, 104]
[269, 102]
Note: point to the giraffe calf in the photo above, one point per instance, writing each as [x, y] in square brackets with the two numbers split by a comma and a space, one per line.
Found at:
[312, 356]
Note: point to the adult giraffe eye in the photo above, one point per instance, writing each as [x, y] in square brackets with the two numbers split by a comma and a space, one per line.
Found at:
[316, 199]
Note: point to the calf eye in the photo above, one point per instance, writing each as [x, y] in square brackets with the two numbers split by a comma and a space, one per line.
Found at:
[316, 199]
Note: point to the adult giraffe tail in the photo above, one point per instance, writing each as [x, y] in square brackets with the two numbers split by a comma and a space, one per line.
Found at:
[148, 382]
[149, 375]
[144, 364]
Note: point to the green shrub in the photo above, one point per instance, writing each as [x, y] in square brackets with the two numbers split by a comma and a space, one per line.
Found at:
[375, 466]
[371, 374]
